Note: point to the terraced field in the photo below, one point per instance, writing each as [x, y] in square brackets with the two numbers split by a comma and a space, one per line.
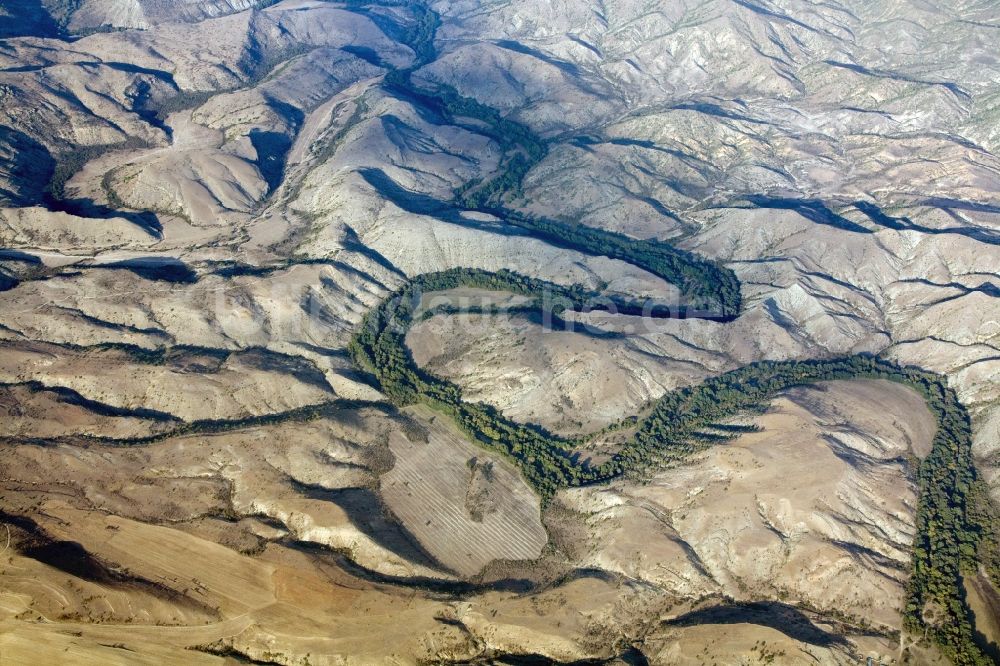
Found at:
[465, 506]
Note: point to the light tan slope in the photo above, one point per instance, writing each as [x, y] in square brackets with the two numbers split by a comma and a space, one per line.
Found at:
[815, 509]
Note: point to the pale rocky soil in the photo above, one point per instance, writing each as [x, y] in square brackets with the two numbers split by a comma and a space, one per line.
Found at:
[288, 538]
[201, 530]
[798, 511]
[569, 382]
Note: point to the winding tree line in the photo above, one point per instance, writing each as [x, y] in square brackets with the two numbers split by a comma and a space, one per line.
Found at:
[707, 288]
[953, 525]
[949, 529]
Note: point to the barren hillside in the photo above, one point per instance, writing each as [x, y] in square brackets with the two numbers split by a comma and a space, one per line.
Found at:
[499, 331]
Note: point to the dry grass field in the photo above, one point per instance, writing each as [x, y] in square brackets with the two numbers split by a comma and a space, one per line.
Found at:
[465, 506]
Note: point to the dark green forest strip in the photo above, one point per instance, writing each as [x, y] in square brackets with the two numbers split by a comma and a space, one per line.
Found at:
[949, 530]
[707, 288]
[950, 516]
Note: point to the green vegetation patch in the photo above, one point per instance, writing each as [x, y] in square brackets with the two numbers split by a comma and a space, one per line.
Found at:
[950, 526]
[955, 518]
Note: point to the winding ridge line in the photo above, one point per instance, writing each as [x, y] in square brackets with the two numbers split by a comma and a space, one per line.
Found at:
[950, 527]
